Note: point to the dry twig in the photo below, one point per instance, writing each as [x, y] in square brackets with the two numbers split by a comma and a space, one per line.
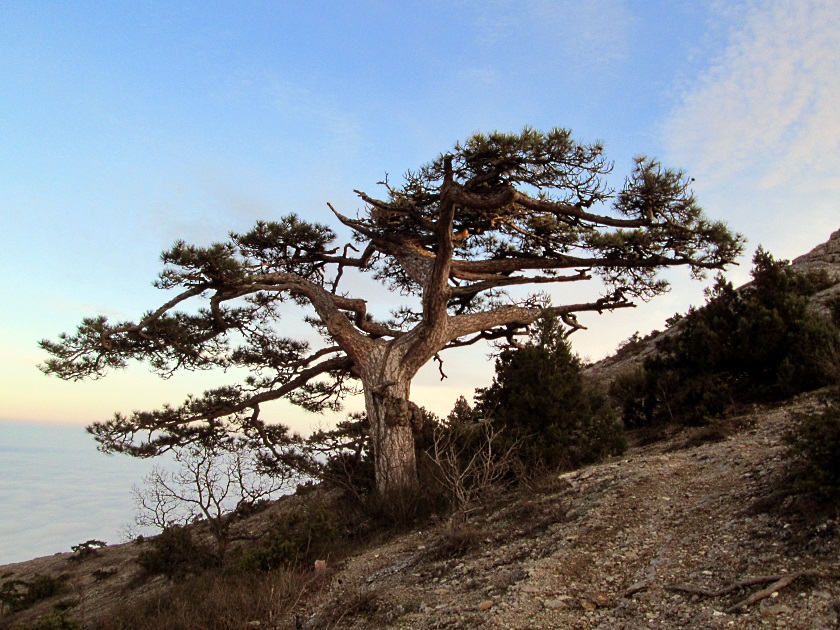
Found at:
[778, 583]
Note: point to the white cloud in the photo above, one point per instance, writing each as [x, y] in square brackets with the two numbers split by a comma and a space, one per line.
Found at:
[760, 128]
[770, 103]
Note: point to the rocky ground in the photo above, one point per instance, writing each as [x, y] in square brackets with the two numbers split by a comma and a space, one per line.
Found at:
[672, 535]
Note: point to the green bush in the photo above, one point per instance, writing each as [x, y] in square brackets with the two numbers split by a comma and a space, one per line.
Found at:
[176, 554]
[760, 342]
[814, 450]
[540, 399]
[296, 538]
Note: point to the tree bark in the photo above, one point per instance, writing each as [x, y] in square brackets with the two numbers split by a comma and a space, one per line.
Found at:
[393, 419]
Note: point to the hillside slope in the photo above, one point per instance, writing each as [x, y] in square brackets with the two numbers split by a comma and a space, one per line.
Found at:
[603, 547]
[608, 547]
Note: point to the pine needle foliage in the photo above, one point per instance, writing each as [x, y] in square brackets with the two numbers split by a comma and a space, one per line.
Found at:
[540, 398]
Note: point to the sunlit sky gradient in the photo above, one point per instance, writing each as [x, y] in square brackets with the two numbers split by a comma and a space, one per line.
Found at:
[126, 126]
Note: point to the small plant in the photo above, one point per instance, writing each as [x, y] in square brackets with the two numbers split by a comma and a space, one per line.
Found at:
[86, 549]
[456, 540]
[296, 538]
[352, 604]
[53, 620]
[175, 554]
[814, 442]
[103, 574]
[17, 595]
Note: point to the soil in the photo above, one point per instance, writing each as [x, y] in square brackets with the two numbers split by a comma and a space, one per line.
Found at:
[617, 545]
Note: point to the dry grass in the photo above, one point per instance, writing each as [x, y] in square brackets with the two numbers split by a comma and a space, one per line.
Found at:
[217, 601]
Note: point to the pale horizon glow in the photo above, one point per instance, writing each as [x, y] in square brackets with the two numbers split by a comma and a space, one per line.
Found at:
[127, 127]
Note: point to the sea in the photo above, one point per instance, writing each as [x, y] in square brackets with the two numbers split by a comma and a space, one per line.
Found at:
[57, 490]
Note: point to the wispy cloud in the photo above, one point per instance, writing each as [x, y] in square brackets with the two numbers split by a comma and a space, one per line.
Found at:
[770, 103]
[760, 127]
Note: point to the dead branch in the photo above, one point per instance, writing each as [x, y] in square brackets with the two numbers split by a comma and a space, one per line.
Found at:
[440, 366]
[766, 592]
[778, 582]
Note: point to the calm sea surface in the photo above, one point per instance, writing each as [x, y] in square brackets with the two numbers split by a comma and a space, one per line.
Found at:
[57, 490]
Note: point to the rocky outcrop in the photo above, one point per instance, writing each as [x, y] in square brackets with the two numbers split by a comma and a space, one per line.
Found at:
[824, 257]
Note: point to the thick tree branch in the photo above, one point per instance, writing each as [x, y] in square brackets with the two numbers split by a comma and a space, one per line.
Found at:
[521, 316]
[492, 281]
[575, 212]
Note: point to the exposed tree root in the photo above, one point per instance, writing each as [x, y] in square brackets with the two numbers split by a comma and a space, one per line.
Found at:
[778, 582]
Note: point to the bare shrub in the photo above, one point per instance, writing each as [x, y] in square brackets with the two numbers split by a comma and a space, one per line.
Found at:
[456, 540]
[213, 483]
[217, 600]
[468, 461]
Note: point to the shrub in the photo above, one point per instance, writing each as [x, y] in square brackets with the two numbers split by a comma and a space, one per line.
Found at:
[214, 600]
[17, 595]
[53, 620]
[103, 574]
[540, 399]
[175, 554]
[468, 459]
[296, 538]
[756, 343]
[87, 549]
[814, 450]
[455, 541]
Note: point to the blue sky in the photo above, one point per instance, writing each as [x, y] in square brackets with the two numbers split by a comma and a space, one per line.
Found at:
[125, 127]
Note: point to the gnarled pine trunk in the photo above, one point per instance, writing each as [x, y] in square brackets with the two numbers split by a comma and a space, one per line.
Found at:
[393, 419]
